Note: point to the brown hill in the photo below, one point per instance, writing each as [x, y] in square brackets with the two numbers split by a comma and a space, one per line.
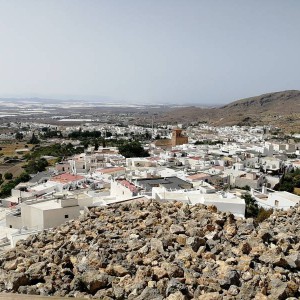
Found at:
[281, 102]
[281, 109]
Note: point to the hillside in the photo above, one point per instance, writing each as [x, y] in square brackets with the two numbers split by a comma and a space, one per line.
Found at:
[151, 250]
[273, 102]
[274, 108]
[280, 109]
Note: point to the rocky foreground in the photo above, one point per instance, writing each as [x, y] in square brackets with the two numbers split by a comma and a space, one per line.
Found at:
[158, 251]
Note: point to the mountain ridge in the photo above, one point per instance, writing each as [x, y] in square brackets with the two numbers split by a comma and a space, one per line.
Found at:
[280, 109]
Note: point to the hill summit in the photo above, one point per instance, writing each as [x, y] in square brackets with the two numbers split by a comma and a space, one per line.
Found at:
[280, 109]
[153, 250]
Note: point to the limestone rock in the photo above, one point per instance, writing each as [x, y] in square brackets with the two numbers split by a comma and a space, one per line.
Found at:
[176, 229]
[153, 250]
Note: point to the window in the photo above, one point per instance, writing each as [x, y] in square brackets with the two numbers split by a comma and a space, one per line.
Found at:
[10, 226]
[66, 216]
[276, 203]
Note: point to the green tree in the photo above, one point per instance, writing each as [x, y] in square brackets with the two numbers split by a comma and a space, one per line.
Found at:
[108, 134]
[19, 136]
[286, 183]
[36, 165]
[133, 149]
[263, 214]
[251, 206]
[34, 140]
[8, 176]
[148, 135]
[96, 144]
[6, 189]
[103, 142]
[24, 177]
[85, 144]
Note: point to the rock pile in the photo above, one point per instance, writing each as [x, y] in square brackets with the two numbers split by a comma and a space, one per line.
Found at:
[154, 250]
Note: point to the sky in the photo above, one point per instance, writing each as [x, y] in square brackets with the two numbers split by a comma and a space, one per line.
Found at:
[141, 51]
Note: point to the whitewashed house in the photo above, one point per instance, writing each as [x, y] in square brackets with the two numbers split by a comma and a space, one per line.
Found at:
[268, 198]
[43, 214]
[223, 202]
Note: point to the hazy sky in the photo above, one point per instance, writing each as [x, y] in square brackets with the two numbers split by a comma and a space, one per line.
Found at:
[149, 51]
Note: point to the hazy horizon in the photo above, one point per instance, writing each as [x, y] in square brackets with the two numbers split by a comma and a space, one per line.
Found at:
[173, 52]
[103, 100]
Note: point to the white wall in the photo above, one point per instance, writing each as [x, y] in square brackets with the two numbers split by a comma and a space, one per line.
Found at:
[235, 208]
[283, 202]
[14, 221]
[85, 201]
[18, 193]
[55, 217]
[32, 217]
[119, 191]
[17, 237]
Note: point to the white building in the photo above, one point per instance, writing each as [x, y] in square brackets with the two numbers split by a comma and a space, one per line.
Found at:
[270, 199]
[223, 202]
[137, 162]
[123, 189]
[44, 214]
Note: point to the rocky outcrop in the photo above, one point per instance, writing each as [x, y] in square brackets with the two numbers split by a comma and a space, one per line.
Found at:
[183, 253]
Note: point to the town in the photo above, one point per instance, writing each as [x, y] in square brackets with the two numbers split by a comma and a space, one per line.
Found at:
[149, 150]
[51, 174]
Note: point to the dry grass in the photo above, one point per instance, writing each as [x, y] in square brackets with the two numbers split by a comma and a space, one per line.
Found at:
[9, 148]
[297, 191]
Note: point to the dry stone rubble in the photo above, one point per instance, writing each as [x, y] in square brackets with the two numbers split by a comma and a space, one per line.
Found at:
[153, 250]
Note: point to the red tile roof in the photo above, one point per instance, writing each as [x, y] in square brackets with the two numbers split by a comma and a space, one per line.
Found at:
[198, 176]
[111, 170]
[129, 185]
[66, 178]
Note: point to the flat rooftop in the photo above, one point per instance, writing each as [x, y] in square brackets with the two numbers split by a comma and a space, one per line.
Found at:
[49, 204]
[173, 183]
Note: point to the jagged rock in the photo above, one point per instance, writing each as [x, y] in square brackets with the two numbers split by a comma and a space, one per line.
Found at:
[117, 270]
[159, 272]
[175, 285]
[119, 292]
[275, 258]
[209, 296]
[176, 229]
[181, 239]
[36, 270]
[278, 289]
[167, 270]
[93, 281]
[195, 242]
[245, 248]
[231, 278]
[11, 265]
[176, 296]
[157, 245]
[293, 260]
[105, 294]
[233, 290]
[247, 276]
[152, 250]
[15, 280]
[149, 294]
